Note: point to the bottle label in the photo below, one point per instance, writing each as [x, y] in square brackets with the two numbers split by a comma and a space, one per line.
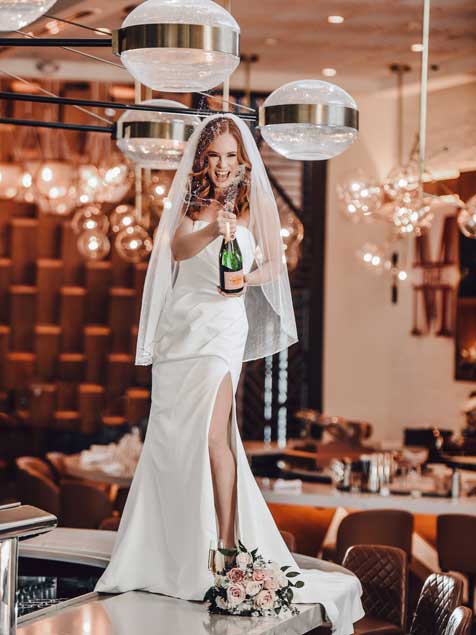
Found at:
[233, 280]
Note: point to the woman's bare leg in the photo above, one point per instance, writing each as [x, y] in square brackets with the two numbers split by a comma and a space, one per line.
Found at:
[223, 463]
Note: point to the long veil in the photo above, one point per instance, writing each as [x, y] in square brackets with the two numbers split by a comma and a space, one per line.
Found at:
[269, 309]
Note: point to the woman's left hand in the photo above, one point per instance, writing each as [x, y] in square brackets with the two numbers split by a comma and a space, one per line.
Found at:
[233, 295]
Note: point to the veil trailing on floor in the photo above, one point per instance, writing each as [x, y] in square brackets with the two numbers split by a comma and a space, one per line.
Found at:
[268, 301]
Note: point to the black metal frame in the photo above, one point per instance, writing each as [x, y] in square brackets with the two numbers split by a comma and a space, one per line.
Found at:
[54, 41]
[91, 103]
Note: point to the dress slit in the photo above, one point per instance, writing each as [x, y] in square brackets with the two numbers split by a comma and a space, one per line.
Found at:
[231, 430]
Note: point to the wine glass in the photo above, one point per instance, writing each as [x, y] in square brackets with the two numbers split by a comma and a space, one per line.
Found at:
[414, 457]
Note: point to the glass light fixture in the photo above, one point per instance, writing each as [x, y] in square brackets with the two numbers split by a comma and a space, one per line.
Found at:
[93, 245]
[55, 184]
[89, 183]
[412, 215]
[309, 120]
[360, 197]
[155, 139]
[292, 234]
[179, 45]
[467, 219]
[116, 180]
[133, 244]
[372, 257]
[403, 179]
[16, 14]
[156, 191]
[10, 180]
[122, 217]
[88, 218]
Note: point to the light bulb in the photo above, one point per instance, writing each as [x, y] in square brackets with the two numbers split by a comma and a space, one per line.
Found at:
[10, 180]
[88, 218]
[133, 244]
[122, 217]
[93, 245]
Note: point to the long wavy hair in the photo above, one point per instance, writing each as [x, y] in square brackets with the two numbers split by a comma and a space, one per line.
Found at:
[201, 187]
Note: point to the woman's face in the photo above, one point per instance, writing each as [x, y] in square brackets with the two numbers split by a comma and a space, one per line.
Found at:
[222, 156]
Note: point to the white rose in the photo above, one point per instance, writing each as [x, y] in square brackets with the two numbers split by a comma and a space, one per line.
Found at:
[252, 587]
[265, 599]
[243, 559]
[281, 578]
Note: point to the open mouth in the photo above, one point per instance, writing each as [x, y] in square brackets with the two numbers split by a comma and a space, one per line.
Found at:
[222, 175]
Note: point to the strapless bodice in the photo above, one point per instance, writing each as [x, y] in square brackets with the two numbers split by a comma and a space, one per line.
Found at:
[196, 319]
[201, 273]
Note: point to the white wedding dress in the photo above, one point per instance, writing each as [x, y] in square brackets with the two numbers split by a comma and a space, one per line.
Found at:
[169, 519]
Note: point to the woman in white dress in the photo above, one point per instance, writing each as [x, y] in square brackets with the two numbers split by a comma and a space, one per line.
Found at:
[193, 484]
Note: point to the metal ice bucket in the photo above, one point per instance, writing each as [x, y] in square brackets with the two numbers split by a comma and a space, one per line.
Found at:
[16, 521]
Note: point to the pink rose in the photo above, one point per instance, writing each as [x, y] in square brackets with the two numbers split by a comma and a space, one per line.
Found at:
[236, 575]
[271, 583]
[259, 575]
[235, 594]
[253, 587]
[264, 599]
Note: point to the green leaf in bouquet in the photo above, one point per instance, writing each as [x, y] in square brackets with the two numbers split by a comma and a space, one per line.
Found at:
[289, 595]
[242, 546]
[292, 574]
[299, 584]
[254, 552]
[287, 566]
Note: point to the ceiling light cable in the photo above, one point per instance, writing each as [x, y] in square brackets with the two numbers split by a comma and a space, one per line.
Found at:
[77, 51]
[50, 94]
[78, 24]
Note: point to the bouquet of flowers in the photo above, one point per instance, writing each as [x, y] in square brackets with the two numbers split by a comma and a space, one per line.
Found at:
[249, 585]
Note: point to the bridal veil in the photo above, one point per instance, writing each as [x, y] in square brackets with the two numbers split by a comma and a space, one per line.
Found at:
[269, 308]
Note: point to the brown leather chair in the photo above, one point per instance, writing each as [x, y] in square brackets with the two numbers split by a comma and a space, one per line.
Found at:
[390, 527]
[289, 539]
[441, 594]
[34, 488]
[34, 463]
[455, 537]
[110, 524]
[460, 621]
[83, 505]
[383, 573]
[56, 461]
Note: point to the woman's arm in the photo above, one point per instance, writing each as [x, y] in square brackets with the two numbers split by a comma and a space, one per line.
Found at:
[187, 243]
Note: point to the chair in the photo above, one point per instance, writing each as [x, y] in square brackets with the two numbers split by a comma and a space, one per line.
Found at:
[34, 488]
[34, 463]
[440, 595]
[83, 505]
[383, 574]
[289, 539]
[455, 534]
[390, 527]
[56, 461]
[460, 621]
[110, 524]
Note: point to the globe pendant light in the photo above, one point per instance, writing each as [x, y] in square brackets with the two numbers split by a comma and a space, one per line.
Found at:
[16, 14]
[179, 45]
[155, 139]
[309, 120]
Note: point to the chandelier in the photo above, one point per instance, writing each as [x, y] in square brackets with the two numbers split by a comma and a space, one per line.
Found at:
[16, 14]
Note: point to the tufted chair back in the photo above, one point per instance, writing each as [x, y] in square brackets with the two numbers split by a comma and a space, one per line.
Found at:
[383, 574]
[440, 595]
[460, 621]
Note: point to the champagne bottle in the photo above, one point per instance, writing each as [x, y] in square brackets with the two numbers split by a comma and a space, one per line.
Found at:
[231, 266]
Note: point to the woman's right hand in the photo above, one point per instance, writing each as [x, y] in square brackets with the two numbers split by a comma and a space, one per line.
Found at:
[223, 219]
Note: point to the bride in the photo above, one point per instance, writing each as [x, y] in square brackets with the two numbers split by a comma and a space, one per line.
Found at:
[193, 484]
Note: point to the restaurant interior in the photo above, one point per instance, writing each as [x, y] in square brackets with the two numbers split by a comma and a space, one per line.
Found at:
[362, 435]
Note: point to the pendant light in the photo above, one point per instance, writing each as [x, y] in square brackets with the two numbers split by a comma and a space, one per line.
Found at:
[309, 120]
[179, 45]
[16, 14]
[155, 140]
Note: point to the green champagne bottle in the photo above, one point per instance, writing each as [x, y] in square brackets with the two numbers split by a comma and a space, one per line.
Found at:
[231, 266]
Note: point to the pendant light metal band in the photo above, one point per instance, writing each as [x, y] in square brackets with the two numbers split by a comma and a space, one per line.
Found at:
[316, 114]
[190, 36]
[169, 130]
